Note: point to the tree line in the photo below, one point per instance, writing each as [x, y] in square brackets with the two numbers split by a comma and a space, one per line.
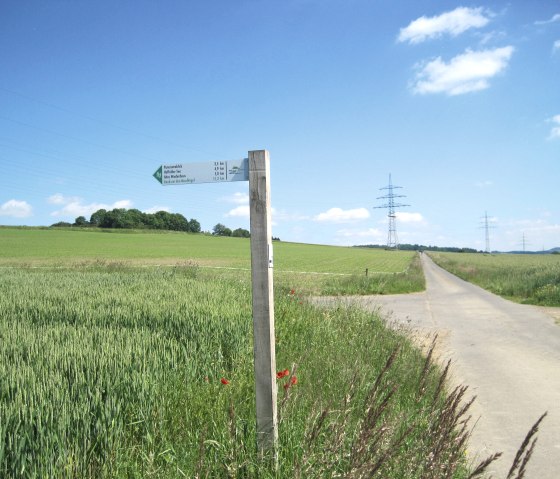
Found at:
[420, 247]
[222, 230]
[122, 218]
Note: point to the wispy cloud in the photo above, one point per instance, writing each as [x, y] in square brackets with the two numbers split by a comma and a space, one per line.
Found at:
[242, 211]
[465, 73]
[73, 206]
[556, 46]
[338, 215]
[349, 237]
[554, 18]
[451, 23]
[155, 209]
[406, 217]
[16, 209]
[369, 233]
[555, 131]
[237, 198]
[58, 199]
[484, 184]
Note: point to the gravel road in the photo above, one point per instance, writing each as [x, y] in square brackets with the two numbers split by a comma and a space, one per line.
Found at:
[508, 354]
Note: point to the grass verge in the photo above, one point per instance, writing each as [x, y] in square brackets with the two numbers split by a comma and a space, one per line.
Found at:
[528, 279]
[408, 281]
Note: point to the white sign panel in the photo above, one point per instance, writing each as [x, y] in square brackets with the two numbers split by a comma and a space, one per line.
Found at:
[207, 172]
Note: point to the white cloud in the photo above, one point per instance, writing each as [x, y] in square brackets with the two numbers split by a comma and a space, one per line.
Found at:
[484, 184]
[556, 46]
[374, 233]
[538, 233]
[242, 211]
[338, 215]
[155, 209]
[121, 204]
[237, 198]
[555, 131]
[451, 23]
[57, 199]
[494, 36]
[468, 72]
[283, 215]
[405, 217]
[349, 237]
[554, 18]
[73, 206]
[16, 209]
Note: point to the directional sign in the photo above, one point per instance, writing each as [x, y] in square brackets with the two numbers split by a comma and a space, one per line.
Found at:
[256, 170]
[207, 172]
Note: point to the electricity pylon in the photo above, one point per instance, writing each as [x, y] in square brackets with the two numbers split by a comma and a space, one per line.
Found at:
[524, 243]
[392, 237]
[487, 227]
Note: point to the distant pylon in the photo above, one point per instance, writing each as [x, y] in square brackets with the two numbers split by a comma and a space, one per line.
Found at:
[524, 243]
[392, 237]
[487, 227]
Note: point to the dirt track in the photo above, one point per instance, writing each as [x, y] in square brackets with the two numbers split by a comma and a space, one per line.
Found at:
[508, 354]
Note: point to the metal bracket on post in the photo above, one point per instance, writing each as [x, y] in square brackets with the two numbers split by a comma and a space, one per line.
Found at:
[263, 302]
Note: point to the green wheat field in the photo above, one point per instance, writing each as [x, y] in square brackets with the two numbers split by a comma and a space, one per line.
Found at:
[129, 355]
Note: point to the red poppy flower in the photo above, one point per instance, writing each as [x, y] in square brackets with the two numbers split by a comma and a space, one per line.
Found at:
[224, 381]
[292, 292]
[291, 382]
[282, 374]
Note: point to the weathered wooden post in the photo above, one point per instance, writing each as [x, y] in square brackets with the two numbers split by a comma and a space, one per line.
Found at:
[263, 301]
[256, 169]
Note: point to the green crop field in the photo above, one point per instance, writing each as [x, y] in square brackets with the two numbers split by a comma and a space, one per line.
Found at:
[54, 246]
[309, 268]
[110, 370]
[531, 279]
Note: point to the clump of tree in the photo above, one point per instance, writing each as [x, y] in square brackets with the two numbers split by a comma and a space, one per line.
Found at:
[417, 247]
[122, 218]
[222, 230]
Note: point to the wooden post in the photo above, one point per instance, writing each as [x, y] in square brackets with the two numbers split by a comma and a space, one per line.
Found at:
[263, 302]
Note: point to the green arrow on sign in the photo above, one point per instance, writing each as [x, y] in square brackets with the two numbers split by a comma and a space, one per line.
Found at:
[158, 174]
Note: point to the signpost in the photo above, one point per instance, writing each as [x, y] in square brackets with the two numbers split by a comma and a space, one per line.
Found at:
[256, 170]
[206, 172]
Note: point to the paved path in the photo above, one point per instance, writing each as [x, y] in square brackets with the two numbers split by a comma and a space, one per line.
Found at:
[508, 354]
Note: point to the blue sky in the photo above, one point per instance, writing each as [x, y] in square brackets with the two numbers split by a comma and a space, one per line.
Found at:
[459, 102]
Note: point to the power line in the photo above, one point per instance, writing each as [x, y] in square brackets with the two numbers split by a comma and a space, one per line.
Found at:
[75, 138]
[102, 122]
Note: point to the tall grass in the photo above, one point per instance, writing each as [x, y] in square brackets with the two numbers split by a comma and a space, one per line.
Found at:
[530, 279]
[409, 280]
[87, 359]
[108, 371]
